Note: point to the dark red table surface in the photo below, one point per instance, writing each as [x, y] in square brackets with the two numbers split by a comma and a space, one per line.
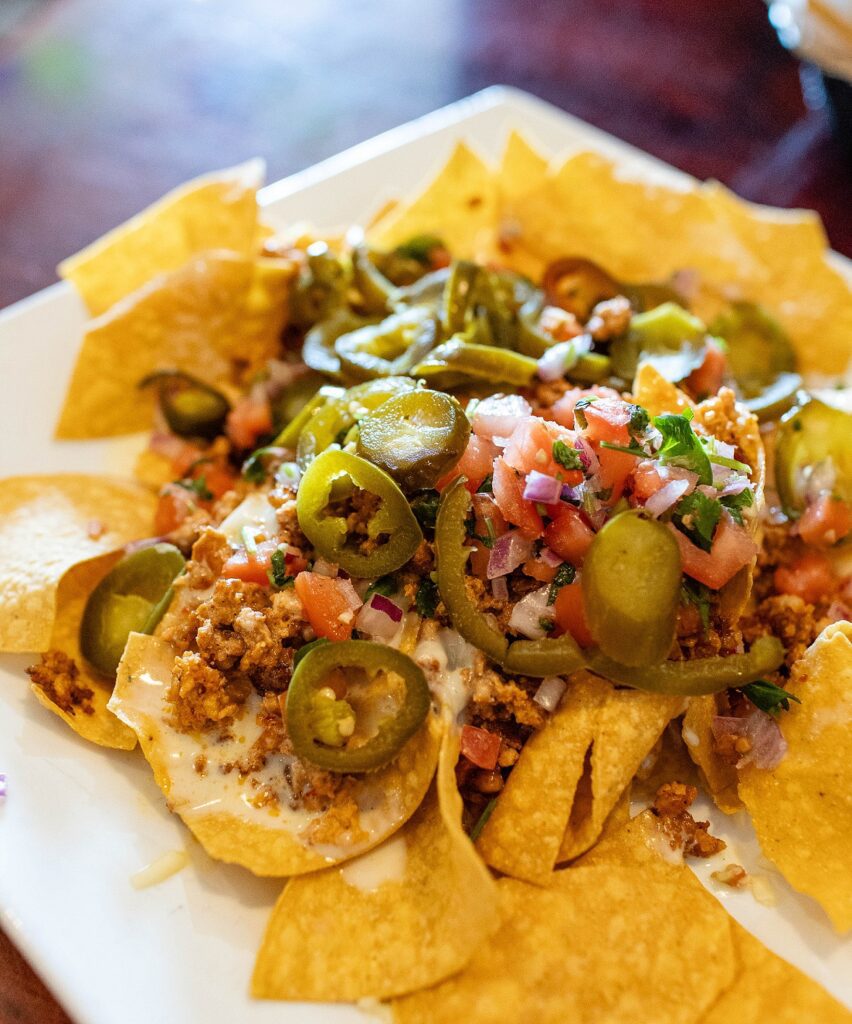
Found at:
[105, 106]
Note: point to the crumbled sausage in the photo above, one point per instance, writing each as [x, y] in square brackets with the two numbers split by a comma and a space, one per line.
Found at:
[610, 318]
[202, 696]
[57, 676]
[671, 806]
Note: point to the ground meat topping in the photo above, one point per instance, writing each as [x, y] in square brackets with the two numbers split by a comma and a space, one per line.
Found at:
[610, 318]
[671, 806]
[202, 696]
[57, 676]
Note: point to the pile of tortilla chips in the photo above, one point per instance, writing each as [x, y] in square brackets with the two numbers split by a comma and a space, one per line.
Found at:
[592, 918]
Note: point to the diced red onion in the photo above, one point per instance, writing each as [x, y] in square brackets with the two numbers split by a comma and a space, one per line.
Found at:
[347, 590]
[557, 360]
[2, 786]
[500, 588]
[736, 485]
[550, 558]
[541, 487]
[677, 473]
[588, 457]
[550, 692]
[384, 604]
[569, 493]
[507, 554]
[501, 442]
[324, 568]
[528, 613]
[375, 619]
[665, 497]
[768, 745]
[498, 416]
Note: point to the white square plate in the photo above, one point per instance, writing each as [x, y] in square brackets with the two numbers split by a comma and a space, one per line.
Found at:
[79, 821]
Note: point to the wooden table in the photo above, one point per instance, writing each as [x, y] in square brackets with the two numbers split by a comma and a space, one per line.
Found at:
[103, 107]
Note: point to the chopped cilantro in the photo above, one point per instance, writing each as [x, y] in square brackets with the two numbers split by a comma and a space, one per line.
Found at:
[277, 572]
[420, 248]
[567, 457]
[579, 415]
[695, 593]
[254, 469]
[425, 508]
[769, 697]
[426, 599]
[488, 541]
[697, 515]
[302, 651]
[735, 503]
[198, 487]
[548, 625]
[487, 485]
[632, 449]
[483, 818]
[565, 575]
[385, 585]
[639, 420]
[681, 445]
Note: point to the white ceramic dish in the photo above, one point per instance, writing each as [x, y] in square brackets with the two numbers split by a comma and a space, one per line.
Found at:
[79, 821]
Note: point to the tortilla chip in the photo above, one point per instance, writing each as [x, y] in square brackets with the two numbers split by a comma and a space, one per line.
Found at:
[100, 726]
[653, 392]
[802, 810]
[460, 206]
[767, 988]
[670, 763]
[47, 525]
[265, 842]
[406, 915]
[522, 171]
[523, 834]
[210, 318]
[627, 726]
[215, 211]
[719, 777]
[605, 944]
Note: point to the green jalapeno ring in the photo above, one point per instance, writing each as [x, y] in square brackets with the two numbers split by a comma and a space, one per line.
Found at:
[375, 290]
[456, 360]
[758, 349]
[577, 285]
[698, 677]
[318, 351]
[388, 348]
[328, 533]
[131, 598]
[191, 407]
[321, 287]
[416, 437]
[776, 399]
[631, 587]
[459, 294]
[304, 713]
[812, 433]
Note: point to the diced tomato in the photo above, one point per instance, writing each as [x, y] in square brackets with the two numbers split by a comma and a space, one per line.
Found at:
[608, 419]
[531, 448]
[509, 494]
[616, 467]
[567, 534]
[173, 506]
[809, 577]
[326, 605]
[539, 570]
[570, 613]
[563, 409]
[710, 375]
[218, 477]
[249, 419]
[646, 480]
[475, 464]
[825, 522]
[253, 567]
[732, 549]
[480, 747]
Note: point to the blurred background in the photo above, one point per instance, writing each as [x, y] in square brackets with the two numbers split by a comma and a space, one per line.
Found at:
[106, 104]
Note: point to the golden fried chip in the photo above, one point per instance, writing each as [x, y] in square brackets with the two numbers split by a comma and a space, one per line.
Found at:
[669, 762]
[406, 915]
[234, 820]
[523, 834]
[522, 171]
[605, 944]
[719, 777]
[218, 313]
[627, 726]
[90, 719]
[460, 206]
[215, 211]
[653, 392]
[768, 988]
[48, 524]
[802, 810]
